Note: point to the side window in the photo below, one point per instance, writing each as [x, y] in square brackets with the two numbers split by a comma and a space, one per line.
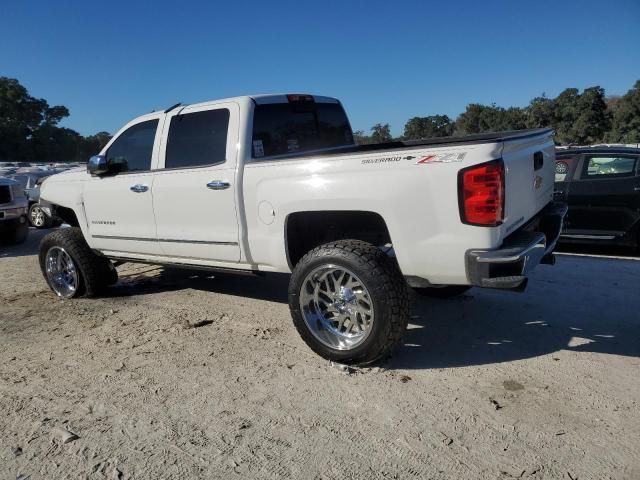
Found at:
[132, 150]
[608, 167]
[197, 139]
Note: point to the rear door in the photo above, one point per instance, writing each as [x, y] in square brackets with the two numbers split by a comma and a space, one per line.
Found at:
[604, 196]
[194, 190]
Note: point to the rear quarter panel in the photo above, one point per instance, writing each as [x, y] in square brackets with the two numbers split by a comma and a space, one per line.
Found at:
[417, 198]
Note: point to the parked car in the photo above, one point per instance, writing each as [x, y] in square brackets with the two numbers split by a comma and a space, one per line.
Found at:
[601, 186]
[31, 182]
[276, 184]
[14, 227]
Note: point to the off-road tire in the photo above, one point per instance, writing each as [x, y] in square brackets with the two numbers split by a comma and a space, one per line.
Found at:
[18, 235]
[386, 286]
[47, 220]
[95, 272]
[442, 292]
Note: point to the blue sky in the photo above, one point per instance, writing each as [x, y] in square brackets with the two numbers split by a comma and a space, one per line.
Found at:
[386, 60]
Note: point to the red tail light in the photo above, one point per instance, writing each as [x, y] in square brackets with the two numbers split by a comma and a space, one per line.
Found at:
[481, 194]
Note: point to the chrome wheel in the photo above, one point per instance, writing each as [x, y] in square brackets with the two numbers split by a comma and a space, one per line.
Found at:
[61, 272]
[336, 307]
[38, 218]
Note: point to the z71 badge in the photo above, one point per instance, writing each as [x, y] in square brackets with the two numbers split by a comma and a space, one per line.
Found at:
[437, 158]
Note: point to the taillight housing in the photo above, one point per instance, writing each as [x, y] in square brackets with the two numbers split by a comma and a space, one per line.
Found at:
[481, 194]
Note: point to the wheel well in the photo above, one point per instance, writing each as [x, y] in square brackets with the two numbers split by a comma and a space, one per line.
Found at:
[67, 215]
[307, 230]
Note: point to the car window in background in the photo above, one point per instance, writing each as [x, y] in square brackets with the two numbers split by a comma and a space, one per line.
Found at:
[133, 149]
[564, 168]
[600, 166]
[197, 139]
[285, 128]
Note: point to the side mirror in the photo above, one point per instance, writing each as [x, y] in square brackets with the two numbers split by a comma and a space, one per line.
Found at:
[98, 165]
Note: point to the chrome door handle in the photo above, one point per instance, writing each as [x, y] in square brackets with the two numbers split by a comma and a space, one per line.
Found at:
[138, 188]
[218, 185]
[636, 189]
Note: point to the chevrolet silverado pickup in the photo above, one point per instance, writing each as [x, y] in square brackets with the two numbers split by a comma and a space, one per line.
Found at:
[275, 183]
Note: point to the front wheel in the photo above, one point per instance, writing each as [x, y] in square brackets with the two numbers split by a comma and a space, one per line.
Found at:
[70, 267]
[349, 302]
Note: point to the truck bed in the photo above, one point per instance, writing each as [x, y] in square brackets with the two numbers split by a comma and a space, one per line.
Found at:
[478, 138]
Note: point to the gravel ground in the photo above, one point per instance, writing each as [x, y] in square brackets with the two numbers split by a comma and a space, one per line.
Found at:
[182, 376]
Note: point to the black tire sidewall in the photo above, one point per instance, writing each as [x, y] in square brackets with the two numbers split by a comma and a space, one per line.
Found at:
[57, 239]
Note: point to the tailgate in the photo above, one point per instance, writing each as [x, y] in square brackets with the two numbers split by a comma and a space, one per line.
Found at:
[529, 175]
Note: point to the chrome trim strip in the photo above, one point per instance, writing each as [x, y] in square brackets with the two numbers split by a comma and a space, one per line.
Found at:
[588, 237]
[168, 240]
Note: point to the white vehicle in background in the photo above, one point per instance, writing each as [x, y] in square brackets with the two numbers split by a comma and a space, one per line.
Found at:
[14, 226]
[275, 183]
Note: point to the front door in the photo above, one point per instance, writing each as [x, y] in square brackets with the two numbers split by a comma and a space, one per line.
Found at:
[194, 190]
[119, 206]
[604, 199]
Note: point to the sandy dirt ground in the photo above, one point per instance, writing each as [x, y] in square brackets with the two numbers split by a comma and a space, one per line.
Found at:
[179, 376]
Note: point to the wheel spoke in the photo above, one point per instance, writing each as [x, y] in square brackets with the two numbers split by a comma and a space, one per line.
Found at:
[336, 307]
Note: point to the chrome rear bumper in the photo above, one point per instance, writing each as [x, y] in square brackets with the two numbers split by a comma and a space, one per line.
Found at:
[508, 266]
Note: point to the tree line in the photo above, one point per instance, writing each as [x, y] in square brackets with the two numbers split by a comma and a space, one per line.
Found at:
[29, 126]
[30, 131]
[579, 118]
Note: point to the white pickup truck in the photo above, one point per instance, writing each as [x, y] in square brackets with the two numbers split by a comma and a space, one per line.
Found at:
[275, 183]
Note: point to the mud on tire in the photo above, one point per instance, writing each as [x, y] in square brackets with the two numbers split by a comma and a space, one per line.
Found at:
[95, 273]
[384, 284]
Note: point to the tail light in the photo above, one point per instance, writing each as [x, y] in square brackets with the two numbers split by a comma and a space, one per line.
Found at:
[481, 194]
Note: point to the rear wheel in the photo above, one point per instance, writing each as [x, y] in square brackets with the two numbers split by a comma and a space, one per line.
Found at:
[349, 302]
[446, 291]
[70, 267]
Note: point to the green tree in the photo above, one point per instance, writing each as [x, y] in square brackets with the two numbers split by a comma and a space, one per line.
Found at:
[428, 127]
[479, 118]
[625, 126]
[381, 133]
[361, 138]
[29, 129]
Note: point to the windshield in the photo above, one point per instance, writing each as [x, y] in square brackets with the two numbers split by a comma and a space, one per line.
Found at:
[289, 128]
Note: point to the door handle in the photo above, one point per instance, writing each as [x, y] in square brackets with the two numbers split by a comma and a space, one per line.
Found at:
[138, 188]
[636, 189]
[218, 185]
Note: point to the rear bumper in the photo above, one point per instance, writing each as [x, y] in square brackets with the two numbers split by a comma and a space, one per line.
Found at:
[508, 266]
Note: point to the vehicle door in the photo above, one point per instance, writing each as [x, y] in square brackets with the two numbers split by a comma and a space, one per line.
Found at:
[118, 205]
[194, 189]
[603, 196]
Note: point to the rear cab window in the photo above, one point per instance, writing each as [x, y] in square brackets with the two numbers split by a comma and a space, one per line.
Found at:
[299, 126]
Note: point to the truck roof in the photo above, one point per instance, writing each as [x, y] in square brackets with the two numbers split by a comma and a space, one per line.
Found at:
[261, 99]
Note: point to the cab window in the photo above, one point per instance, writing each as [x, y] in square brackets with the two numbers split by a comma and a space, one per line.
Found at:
[197, 139]
[133, 149]
[608, 167]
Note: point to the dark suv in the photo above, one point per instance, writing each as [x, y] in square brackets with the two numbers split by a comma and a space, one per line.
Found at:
[601, 185]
